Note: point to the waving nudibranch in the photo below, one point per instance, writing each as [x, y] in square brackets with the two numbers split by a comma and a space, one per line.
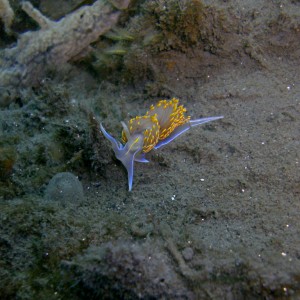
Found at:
[163, 123]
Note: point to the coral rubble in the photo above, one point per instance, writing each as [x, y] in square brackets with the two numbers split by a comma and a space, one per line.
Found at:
[6, 14]
[57, 42]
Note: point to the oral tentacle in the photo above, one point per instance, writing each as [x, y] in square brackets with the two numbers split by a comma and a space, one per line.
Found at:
[116, 145]
[140, 157]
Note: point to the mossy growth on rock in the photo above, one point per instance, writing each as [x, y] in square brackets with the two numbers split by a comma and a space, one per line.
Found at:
[47, 132]
[182, 25]
[156, 27]
[7, 161]
[179, 22]
[8, 157]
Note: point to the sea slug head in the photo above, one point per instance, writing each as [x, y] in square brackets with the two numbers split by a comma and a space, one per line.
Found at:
[126, 153]
[139, 137]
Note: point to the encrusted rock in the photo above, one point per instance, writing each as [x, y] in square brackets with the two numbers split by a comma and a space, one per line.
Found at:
[125, 270]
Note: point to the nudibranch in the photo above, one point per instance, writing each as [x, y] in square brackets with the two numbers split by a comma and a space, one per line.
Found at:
[163, 123]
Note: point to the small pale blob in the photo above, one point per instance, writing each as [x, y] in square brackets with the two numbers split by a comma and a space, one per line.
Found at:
[65, 188]
[188, 253]
[163, 123]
